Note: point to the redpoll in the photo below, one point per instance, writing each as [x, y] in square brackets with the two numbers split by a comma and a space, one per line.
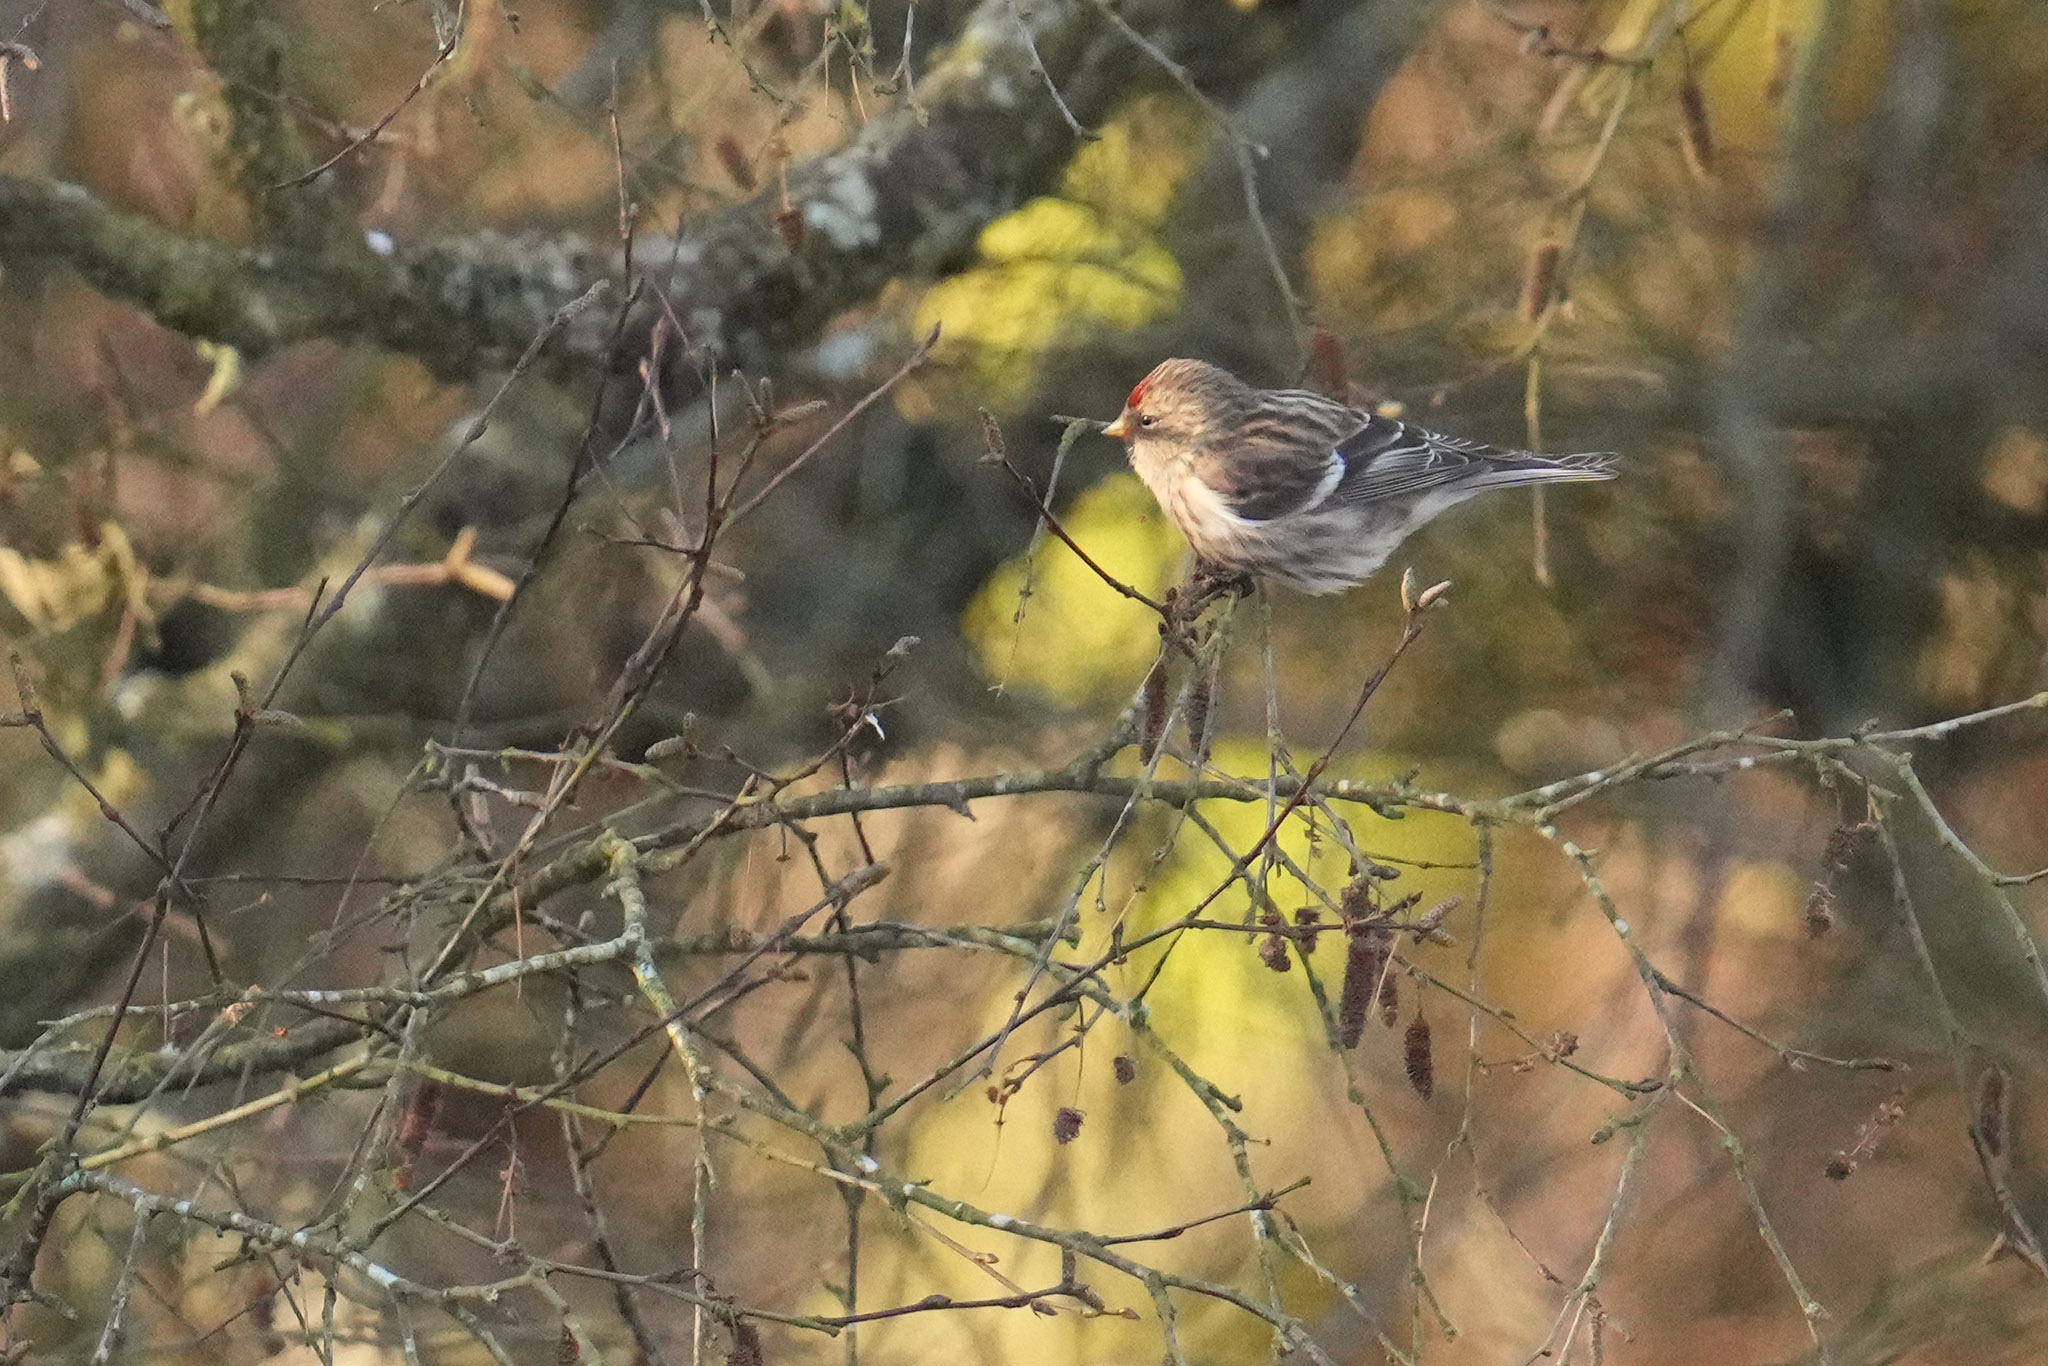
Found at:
[1293, 486]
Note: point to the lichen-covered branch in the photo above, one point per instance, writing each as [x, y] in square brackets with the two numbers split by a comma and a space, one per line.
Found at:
[907, 196]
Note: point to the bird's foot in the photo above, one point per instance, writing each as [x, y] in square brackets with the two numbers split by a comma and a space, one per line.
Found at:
[1205, 587]
[1211, 584]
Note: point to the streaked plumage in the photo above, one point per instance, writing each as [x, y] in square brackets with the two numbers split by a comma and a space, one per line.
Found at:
[1290, 485]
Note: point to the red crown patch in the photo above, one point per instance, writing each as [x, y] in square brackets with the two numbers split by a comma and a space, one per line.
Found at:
[1138, 394]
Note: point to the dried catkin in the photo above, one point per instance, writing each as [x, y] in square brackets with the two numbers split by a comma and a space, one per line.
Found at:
[1273, 943]
[1699, 131]
[1991, 1119]
[1155, 714]
[1416, 1057]
[734, 159]
[1201, 702]
[1539, 279]
[1363, 960]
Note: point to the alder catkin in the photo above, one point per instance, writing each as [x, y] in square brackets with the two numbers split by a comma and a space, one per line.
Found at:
[1308, 918]
[1820, 912]
[1201, 699]
[418, 1120]
[1357, 901]
[1991, 1118]
[746, 1346]
[1416, 1057]
[1699, 131]
[1363, 960]
[734, 159]
[1154, 728]
[790, 224]
[1539, 279]
[1273, 944]
[1326, 365]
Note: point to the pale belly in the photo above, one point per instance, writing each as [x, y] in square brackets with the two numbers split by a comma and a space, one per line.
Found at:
[1320, 551]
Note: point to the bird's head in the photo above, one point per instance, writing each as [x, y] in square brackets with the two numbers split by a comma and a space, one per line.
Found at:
[1178, 403]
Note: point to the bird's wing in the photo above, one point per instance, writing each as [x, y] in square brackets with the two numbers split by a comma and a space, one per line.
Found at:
[1387, 459]
[1284, 458]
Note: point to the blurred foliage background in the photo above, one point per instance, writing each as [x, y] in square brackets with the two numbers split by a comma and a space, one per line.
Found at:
[1789, 257]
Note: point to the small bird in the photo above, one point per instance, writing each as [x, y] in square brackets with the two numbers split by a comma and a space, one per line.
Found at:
[1293, 486]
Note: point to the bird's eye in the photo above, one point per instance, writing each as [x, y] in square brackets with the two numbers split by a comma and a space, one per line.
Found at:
[1146, 419]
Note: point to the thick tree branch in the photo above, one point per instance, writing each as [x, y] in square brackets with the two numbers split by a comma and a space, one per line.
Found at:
[909, 195]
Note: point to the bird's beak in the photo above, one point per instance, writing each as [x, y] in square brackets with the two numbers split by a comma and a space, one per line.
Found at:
[1121, 428]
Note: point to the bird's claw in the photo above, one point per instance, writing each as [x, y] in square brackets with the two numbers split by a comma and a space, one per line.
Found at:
[1209, 584]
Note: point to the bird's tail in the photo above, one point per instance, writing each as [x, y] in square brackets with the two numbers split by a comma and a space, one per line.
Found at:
[1518, 470]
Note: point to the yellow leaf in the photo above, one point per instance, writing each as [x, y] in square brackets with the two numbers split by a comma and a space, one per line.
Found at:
[226, 376]
[80, 583]
[1082, 262]
[1069, 634]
